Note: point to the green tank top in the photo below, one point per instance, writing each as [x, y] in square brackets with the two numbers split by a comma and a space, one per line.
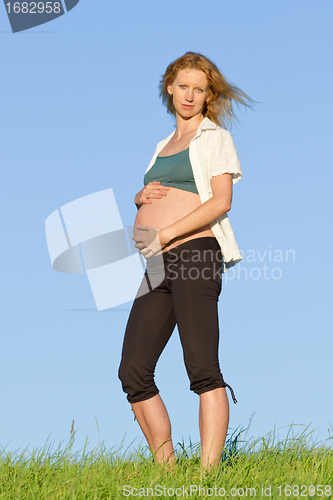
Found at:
[175, 171]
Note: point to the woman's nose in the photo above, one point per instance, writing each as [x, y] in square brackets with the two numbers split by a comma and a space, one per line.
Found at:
[189, 95]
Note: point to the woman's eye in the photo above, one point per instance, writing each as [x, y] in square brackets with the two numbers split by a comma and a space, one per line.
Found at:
[201, 90]
[182, 86]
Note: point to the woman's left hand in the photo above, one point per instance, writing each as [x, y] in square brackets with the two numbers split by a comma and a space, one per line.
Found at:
[149, 240]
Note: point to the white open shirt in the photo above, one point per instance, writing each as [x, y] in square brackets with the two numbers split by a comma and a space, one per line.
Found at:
[212, 152]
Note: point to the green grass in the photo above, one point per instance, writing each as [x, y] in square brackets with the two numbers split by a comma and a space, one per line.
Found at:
[246, 467]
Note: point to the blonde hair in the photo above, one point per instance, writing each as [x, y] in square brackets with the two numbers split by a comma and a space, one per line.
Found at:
[219, 107]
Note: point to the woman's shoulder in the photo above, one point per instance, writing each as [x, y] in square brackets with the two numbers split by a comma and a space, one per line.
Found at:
[213, 130]
[164, 141]
[213, 135]
[159, 147]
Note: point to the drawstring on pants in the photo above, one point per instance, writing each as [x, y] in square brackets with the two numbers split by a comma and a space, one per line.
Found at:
[232, 393]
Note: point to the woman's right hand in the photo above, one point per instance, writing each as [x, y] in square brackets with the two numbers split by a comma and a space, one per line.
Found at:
[150, 191]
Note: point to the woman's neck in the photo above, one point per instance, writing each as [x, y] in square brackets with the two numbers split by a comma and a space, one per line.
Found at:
[185, 127]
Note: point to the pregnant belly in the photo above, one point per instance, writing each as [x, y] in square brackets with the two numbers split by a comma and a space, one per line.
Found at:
[165, 211]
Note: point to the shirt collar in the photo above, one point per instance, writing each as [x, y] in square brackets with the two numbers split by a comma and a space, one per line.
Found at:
[206, 124]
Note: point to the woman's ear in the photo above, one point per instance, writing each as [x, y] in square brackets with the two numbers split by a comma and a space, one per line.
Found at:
[169, 89]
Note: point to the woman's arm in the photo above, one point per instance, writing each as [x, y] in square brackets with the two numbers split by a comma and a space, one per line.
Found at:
[219, 204]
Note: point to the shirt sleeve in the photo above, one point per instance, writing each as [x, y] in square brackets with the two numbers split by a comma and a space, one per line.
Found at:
[223, 156]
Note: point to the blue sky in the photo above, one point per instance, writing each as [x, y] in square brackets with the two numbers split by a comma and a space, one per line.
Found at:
[80, 113]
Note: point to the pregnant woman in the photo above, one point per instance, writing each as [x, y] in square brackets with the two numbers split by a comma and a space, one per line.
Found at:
[184, 203]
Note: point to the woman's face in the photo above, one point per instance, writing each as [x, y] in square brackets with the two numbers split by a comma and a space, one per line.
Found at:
[190, 91]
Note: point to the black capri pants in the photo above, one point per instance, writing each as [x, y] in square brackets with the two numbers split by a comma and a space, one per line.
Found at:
[187, 296]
